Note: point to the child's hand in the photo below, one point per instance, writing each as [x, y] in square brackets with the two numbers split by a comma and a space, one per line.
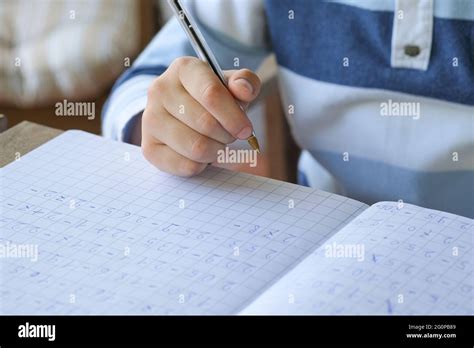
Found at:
[190, 115]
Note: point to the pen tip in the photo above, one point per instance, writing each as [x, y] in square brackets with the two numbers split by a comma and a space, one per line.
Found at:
[254, 143]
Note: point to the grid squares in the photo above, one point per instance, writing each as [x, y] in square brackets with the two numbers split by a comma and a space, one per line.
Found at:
[174, 251]
[408, 252]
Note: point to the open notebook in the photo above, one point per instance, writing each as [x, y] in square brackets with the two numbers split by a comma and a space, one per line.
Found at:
[115, 236]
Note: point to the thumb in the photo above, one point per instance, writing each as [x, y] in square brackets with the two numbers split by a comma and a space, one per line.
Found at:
[243, 84]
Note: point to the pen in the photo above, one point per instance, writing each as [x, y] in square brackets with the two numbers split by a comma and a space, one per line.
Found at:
[203, 51]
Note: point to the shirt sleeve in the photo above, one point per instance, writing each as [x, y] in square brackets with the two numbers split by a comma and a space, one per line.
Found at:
[234, 29]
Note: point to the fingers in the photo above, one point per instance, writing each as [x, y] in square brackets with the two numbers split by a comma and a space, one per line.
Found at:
[186, 109]
[190, 115]
[243, 84]
[168, 130]
[206, 88]
[168, 160]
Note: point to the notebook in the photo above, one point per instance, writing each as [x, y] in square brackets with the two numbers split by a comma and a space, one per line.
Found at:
[89, 227]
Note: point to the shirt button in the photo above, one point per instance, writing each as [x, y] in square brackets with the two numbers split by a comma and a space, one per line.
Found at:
[412, 51]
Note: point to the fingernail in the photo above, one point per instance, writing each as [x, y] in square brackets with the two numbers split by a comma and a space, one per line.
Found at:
[245, 84]
[245, 133]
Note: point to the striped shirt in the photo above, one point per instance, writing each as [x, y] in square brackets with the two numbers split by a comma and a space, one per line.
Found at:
[378, 93]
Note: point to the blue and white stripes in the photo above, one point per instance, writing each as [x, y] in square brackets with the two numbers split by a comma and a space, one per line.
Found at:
[340, 61]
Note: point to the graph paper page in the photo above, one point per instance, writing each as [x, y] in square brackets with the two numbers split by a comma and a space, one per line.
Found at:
[115, 235]
[392, 259]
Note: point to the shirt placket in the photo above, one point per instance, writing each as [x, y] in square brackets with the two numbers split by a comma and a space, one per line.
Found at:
[412, 34]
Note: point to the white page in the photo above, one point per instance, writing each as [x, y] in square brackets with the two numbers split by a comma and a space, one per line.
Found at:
[115, 235]
[416, 261]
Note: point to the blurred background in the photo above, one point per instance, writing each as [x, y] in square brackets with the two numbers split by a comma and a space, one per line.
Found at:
[57, 50]
[52, 50]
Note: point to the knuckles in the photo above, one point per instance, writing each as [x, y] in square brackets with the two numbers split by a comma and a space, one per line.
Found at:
[185, 167]
[189, 168]
[182, 62]
[211, 95]
[207, 124]
[147, 152]
[200, 148]
[156, 88]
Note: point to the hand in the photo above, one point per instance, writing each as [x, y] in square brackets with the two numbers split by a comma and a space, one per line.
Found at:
[190, 115]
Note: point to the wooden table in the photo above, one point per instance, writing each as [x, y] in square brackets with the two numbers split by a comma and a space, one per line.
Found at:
[22, 138]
